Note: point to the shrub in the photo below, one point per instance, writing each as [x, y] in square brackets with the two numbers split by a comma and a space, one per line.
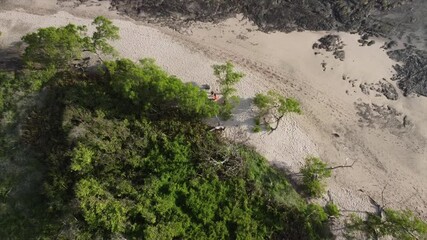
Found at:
[332, 209]
[398, 224]
[272, 107]
[227, 79]
[313, 173]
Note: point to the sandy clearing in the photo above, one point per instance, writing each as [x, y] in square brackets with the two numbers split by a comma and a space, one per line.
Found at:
[387, 154]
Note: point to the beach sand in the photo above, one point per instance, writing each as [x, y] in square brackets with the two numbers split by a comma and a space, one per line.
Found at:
[340, 124]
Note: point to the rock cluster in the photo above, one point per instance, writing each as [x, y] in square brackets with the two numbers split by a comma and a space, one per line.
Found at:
[364, 41]
[388, 90]
[389, 45]
[331, 43]
[411, 74]
[269, 15]
[383, 88]
[383, 116]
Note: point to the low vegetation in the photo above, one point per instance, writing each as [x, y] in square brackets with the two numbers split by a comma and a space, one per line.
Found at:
[397, 224]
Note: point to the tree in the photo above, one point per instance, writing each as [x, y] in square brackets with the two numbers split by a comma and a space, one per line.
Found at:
[60, 47]
[105, 30]
[272, 107]
[313, 173]
[147, 86]
[100, 210]
[54, 47]
[398, 224]
[227, 79]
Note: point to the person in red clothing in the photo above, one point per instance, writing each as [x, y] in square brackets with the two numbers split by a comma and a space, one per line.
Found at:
[213, 96]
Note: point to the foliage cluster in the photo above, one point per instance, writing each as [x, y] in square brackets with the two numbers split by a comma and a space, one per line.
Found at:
[153, 91]
[155, 177]
[272, 107]
[227, 79]
[313, 174]
[332, 210]
[398, 224]
[58, 48]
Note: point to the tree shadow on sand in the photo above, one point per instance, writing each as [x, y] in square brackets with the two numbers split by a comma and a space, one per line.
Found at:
[10, 57]
[243, 115]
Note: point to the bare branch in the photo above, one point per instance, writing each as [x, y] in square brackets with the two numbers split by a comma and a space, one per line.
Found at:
[277, 123]
[343, 166]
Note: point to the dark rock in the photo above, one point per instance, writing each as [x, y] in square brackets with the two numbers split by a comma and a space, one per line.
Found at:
[411, 74]
[390, 45]
[386, 117]
[388, 90]
[289, 15]
[370, 43]
[365, 37]
[331, 43]
[324, 65]
[339, 55]
[315, 45]
[364, 88]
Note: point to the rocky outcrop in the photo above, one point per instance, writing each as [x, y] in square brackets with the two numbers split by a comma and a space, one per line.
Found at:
[331, 43]
[284, 15]
[388, 90]
[382, 88]
[411, 72]
[383, 116]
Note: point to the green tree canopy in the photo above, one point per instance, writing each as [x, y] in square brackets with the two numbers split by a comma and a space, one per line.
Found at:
[151, 88]
[58, 47]
[313, 174]
[54, 47]
[105, 30]
[397, 224]
[227, 79]
[272, 107]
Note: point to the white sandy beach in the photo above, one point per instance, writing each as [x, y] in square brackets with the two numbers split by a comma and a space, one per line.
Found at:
[388, 155]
